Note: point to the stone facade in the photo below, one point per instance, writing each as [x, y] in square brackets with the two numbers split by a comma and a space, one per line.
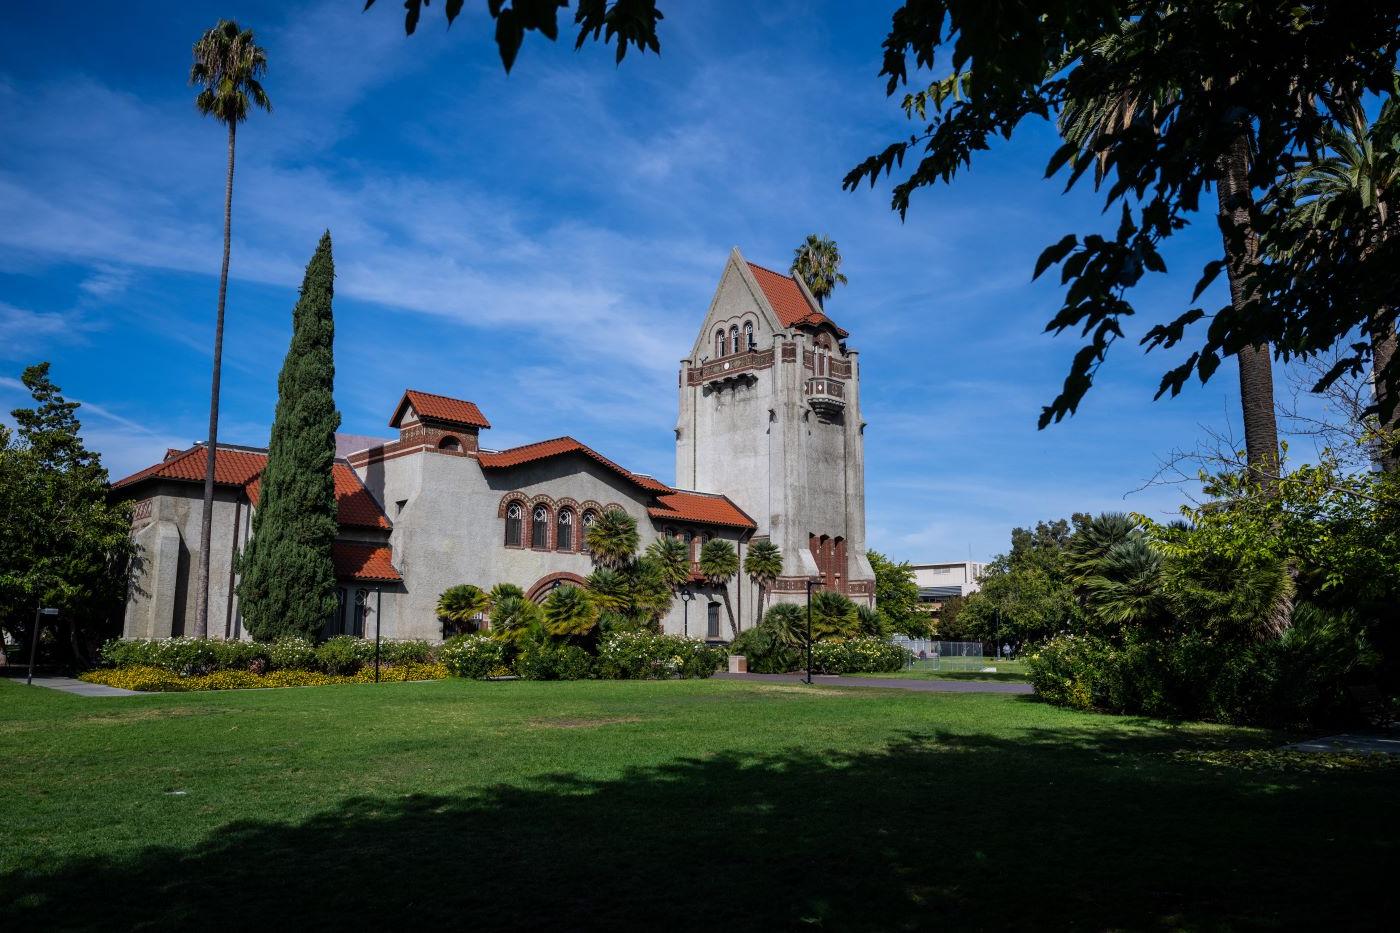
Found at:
[769, 423]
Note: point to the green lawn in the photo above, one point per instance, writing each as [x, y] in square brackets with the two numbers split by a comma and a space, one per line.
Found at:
[961, 669]
[671, 806]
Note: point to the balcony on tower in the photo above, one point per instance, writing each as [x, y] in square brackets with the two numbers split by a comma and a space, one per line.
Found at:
[826, 395]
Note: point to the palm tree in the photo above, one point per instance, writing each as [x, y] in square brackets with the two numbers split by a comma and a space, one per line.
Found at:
[1360, 163]
[818, 262]
[833, 616]
[1126, 588]
[672, 556]
[788, 621]
[227, 65]
[1092, 122]
[613, 539]
[1094, 539]
[462, 605]
[763, 563]
[719, 562]
[514, 618]
[569, 612]
[609, 590]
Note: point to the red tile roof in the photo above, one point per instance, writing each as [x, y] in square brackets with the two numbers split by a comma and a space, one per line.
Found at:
[706, 509]
[788, 301]
[370, 563]
[355, 507]
[543, 450]
[232, 466]
[440, 408]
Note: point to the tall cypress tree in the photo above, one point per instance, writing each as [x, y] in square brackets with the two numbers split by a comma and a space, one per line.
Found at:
[288, 578]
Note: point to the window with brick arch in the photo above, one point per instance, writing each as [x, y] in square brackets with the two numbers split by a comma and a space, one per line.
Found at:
[748, 335]
[719, 342]
[589, 518]
[734, 338]
[515, 524]
[564, 530]
[539, 528]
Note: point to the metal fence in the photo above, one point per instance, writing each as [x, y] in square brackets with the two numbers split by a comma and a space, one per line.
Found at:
[937, 655]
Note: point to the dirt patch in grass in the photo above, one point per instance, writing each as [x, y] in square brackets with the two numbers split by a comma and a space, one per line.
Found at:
[580, 722]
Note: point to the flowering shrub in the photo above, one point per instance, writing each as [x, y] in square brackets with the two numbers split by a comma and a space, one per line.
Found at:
[858, 655]
[475, 656]
[292, 653]
[647, 656]
[185, 656]
[553, 662]
[403, 652]
[343, 654]
[154, 679]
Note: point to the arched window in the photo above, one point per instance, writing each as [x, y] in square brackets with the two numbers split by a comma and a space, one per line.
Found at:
[589, 517]
[515, 524]
[719, 342]
[539, 528]
[748, 335]
[564, 530]
[689, 538]
[449, 443]
[734, 339]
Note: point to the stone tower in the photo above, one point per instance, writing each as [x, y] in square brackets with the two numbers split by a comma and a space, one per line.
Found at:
[770, 416]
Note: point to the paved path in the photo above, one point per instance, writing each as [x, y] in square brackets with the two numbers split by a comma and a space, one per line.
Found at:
[82, 688]
[891, 683]
[1351, 744]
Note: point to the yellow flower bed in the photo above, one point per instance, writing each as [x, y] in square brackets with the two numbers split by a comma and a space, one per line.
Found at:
[155, 680]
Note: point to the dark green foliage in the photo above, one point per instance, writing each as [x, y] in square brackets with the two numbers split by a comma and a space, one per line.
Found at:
[1299, 680]
[288, 583]
[344, 654]
[613, 539]
[62, 543]
[897, 597]
[569, 612]
[818, 263]
[767, 648]
[833, 616]
[554, 661]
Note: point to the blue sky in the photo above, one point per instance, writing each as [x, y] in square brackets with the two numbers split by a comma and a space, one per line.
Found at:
[545, 244]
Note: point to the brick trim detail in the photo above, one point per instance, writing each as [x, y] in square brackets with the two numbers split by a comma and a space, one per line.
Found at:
[544, 584]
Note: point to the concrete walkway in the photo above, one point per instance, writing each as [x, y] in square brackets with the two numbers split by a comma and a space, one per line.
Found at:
[1351, 744]
[891, 683]
[82, 688]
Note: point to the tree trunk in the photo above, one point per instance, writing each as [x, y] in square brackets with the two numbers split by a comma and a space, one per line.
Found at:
[201, 618]
[1382, 352]
[762, 604]
[729, 610]
[1256, 367]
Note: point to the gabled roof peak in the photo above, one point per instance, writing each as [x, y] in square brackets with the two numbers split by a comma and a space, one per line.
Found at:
[443, 408]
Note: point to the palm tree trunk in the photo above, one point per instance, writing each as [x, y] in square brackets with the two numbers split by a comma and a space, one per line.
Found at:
[762, 604]
[729, 611]
[201, 619]
[1382, 352]
[1256, 367]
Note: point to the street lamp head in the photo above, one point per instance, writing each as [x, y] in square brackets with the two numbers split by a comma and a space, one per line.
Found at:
[686, 594]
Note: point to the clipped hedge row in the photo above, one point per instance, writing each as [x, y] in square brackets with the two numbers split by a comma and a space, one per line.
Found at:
[160, 680]
[192, 657]
[621, 656]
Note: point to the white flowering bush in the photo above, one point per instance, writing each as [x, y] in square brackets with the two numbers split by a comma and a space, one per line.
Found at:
[474, 656]
[187, 657]
[861, 655]
[648, 656]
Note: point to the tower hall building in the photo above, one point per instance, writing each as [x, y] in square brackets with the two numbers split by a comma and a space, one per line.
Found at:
[768, 446]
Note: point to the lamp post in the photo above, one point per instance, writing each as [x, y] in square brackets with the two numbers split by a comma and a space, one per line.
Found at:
[686, 597]
[811, 582]
[378, 612]
[34, 639]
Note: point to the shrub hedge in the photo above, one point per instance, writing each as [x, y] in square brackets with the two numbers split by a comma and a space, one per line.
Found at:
[474, 656]
[1298, 680]
[192, 657]
[860, 655]
[648, 656]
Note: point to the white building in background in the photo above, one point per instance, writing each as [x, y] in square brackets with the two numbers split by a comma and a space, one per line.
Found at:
[940, 582]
